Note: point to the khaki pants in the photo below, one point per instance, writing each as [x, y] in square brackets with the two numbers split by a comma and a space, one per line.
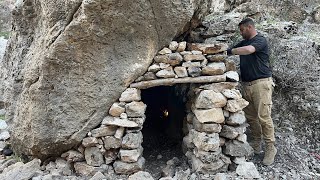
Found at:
[258, 113]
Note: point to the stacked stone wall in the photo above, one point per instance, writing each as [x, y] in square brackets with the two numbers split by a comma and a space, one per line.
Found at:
[215, 120]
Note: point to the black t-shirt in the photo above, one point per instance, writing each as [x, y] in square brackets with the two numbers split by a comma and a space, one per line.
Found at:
[256, 65]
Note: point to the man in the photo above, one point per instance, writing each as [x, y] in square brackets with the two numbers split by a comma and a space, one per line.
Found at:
[258, 86]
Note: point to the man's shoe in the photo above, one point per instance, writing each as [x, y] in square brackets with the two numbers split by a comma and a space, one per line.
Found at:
[269, 154]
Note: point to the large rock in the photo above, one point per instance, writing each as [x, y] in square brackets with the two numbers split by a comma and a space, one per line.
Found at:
[63, 73]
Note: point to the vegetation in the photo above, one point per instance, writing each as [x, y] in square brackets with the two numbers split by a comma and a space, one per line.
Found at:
[5, 34]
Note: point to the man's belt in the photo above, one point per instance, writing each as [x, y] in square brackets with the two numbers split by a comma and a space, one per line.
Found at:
[256, 81]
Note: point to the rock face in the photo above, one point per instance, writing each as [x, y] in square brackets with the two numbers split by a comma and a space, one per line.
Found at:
[63, 73]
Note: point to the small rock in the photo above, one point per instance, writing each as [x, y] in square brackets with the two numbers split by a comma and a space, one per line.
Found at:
[89, 141]
[214, 115]
[63, 167]
[159, 156]
[123, 116]
[208, 48]
[219, 87]
[242, 138]
[230, 65]
[181, 72]
[206, 127]
[165, 51]
[194, 57]
[164, 65]
[4, 135]
[130, 94]
[222, 141]
[98, 176]
[111, 155]
[119, 133]
[220, 176]
[128, 168]
[185, 52]
[196, 52]
[194, 71]
[191, 64]
[215, 68]
[73, 156]
[3, 125]
[207, 99]
[7, 152]
[232, 76]
[104, 131]
[247, 170]
[110, 142]
[182, 46]
[231, 93]
[236, 118]
[149, 76]
[175, 59]
[84, 169]
[154, 68]
[136, 109]
[2, 145]
[166, 73]
[173, 45]
[226, 113]
[141, 175]
[207, 156]
[119, 122]
[116, 110]
[130, 155]
[93, 156]
[2, 112]
[182, 175]
[236, 148]
[235, 105]
[204, 141]
[132, 140]
[229, 132]
[239, 160]
[21, 171]
[217, 57]
[208, 168]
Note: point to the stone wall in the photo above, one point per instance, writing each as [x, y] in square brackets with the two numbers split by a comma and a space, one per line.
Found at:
[215, 120]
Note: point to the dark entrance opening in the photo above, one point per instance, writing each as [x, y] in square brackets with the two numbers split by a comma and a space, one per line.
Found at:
[163, 128]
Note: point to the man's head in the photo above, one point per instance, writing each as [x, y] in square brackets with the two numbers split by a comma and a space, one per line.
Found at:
[247, 28]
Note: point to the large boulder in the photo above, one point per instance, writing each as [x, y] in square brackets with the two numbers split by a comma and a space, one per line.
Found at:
[67, 62]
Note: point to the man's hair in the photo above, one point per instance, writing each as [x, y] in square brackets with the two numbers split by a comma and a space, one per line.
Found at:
[246, 22]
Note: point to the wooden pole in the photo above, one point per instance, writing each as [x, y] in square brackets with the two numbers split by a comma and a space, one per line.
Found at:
[172, 81]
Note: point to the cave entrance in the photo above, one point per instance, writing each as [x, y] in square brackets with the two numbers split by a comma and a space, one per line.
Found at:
[163, 128]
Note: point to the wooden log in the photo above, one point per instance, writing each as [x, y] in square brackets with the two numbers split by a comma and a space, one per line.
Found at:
[172, 81]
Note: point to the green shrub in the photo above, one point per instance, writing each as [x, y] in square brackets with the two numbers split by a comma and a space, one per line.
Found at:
[5, 34]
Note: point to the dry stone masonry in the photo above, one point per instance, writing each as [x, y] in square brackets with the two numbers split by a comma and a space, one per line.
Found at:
[215, 121]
